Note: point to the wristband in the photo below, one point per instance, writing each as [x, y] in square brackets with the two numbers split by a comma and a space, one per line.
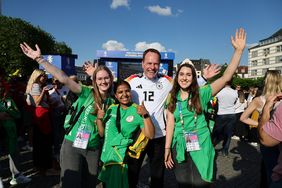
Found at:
[145, 116]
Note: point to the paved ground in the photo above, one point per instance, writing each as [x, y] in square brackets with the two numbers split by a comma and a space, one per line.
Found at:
[241, 169]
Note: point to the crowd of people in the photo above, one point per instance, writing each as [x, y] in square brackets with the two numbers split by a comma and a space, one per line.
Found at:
[102, 132]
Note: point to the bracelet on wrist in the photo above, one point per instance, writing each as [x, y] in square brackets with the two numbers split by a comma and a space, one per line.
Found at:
[167, 148]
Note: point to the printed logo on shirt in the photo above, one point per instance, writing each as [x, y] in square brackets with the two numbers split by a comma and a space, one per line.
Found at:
[159, 85]
[139, 86]
[129, 119]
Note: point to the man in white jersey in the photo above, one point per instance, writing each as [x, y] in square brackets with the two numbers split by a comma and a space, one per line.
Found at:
[153, 88]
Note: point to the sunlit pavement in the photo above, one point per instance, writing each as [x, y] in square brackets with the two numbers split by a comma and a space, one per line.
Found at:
[241, 168]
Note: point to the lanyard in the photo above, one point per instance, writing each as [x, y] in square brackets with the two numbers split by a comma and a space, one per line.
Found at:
[181, 116]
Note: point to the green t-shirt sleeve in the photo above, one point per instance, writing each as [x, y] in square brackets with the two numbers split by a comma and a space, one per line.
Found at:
[205, 95]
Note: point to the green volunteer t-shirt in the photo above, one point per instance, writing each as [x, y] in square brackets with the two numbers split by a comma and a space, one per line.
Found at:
[203, 158]
[85, 98]
[116, 143]
[130, 123]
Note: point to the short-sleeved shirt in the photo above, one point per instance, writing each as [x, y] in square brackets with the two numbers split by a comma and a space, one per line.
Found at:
[226, 101]
[87, 115]
[36, 91]
[203, 158]
[130, 123]
[274, 129]
[154, 93]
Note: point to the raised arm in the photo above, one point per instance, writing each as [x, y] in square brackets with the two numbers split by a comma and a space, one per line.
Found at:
[245, 117]
[59, 74]
[149, 129]
[238, 43]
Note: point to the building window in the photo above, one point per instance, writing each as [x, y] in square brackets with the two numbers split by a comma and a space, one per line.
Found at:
[279, 48]
[278, 59]
[254, 53]
[279, 68]
[266, 51]
[264, 71]
[253, 72]
[254, 63]
[265, 61]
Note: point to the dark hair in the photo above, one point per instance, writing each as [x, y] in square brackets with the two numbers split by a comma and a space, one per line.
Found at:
[194, 91]
[119, 83]
[153, 51]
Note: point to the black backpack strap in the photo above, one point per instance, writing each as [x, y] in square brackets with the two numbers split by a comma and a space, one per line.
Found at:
[118, 119]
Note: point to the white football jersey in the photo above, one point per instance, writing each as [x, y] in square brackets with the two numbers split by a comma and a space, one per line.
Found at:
[153, 93]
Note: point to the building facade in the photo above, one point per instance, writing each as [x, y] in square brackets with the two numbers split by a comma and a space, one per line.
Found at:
[267, 55]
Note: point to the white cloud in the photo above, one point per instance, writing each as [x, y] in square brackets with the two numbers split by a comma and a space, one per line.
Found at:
[142, 46]
[119, 3]
[113, 45]
[166, 11]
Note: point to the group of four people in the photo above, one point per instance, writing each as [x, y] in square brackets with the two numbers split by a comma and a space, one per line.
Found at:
[179, 138]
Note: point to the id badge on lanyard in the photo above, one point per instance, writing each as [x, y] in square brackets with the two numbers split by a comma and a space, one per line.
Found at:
[192, 141]
[81, 139]
[191, 137]
[83, 133]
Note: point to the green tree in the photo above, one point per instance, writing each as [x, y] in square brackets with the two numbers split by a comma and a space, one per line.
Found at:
[14, 31]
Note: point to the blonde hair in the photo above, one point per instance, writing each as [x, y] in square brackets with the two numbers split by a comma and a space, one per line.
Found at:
[98, 98]
[34, 78]
[272, 82]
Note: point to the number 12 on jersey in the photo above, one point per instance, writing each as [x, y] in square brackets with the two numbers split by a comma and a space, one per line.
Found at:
[148, 96]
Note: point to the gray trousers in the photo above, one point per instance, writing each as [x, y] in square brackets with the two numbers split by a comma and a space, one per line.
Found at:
[79, 167]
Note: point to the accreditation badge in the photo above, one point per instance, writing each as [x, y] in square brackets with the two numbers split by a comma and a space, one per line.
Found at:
[81, 139]
[192, 141]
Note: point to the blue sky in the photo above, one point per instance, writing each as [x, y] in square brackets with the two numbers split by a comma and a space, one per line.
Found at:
[192, 29]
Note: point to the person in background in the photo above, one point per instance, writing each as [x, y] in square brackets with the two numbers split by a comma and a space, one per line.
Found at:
[226, 119]
[241, 129]
[37, 97]
[80, 149]
[272, 86]
[57, 96]
[8, 113]
[270, 133]
[188, 146]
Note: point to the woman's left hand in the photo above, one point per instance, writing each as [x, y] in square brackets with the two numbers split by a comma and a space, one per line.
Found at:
[29, 52]
[239, 41]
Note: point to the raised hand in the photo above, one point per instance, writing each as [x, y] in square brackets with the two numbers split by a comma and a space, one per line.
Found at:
[211, 70]
[89, 68]
[141, 109]
[29, 52]
[100, 112]
[239, 41]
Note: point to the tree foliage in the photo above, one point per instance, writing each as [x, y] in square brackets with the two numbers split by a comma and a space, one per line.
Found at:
[14, 31]
[245, 83]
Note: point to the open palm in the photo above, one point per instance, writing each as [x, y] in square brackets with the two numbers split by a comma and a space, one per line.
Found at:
[29, 52]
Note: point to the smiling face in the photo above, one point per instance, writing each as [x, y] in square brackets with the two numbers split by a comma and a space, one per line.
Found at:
[185, 77]
[151, 64]
[103, 81]
[123, 94]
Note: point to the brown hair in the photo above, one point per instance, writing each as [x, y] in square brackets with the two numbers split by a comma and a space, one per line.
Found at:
[194, 92]
[98, 98]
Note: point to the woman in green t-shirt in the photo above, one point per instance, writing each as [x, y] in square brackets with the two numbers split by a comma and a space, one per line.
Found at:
[122, 122]
[188, 145]
[80, 149]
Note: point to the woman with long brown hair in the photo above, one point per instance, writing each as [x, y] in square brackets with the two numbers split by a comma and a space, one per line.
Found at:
[188, 146]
